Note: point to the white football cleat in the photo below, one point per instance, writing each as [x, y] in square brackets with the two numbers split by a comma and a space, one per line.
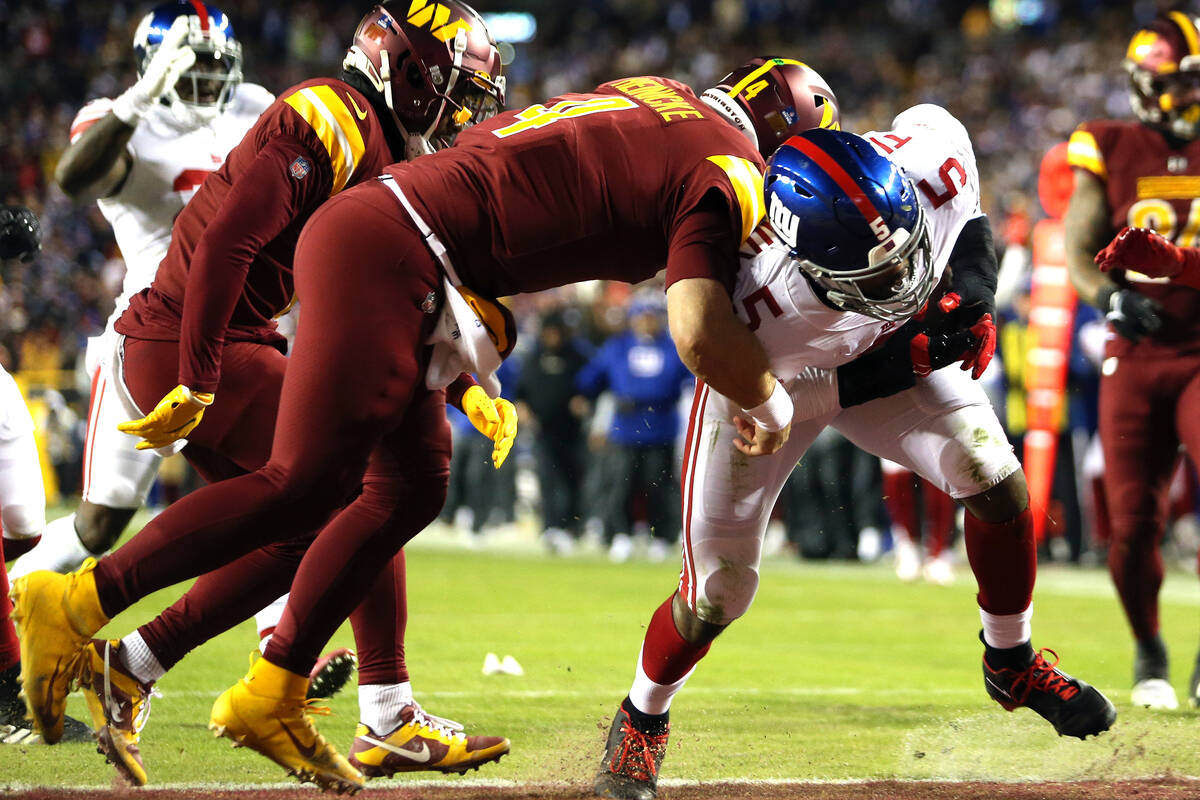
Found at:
[1155, 694]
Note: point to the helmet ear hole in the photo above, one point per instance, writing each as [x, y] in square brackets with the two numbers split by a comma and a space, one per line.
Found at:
[413, 75]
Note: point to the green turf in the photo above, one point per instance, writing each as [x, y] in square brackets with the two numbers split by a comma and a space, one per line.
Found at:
[838, 672]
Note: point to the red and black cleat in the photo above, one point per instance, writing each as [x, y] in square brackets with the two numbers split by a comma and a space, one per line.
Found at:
[331, 673]
[1073, 707]
[632, 758]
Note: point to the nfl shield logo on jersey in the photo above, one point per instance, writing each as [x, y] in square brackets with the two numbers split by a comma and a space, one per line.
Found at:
[300, 167]
[429, 304]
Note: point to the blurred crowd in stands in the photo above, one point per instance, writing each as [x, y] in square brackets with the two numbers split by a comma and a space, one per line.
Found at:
[1019, 89]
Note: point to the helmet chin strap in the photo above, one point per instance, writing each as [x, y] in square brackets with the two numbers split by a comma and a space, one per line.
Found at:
[720, 101]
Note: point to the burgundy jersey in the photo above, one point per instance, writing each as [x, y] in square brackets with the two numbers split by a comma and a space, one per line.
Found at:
[588, 186]
[228, 271]
[1150, 184]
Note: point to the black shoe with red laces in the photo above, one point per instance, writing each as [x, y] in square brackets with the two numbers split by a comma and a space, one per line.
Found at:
[636, 745]
[1073, 707]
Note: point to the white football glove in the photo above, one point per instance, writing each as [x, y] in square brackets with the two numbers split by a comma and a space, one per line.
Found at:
[170, 61]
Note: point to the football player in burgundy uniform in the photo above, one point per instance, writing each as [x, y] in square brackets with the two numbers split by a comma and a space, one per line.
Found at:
[608, 184]
[142, 156]
[205, 326]
[1143, 173]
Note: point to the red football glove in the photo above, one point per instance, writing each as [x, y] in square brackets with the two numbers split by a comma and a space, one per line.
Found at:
[983, 333]
[1143, 250]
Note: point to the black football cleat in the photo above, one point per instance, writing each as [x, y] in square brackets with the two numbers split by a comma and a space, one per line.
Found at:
[1073, 707]
[632, 758]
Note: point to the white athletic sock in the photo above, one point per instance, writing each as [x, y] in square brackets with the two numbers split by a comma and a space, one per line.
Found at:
[267, 620]
[139, 659]
[1007, 630]
[380, 704]
[59, 550]
[650, 697]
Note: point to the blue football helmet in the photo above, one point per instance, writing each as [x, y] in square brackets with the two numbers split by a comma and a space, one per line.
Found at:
[206, 89]
[852, 222]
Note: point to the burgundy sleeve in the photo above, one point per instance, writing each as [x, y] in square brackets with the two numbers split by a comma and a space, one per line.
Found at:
[456, 390]
[704, 243]
[263, 200]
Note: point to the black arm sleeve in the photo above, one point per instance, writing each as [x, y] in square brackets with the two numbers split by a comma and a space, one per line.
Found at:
[974, 255]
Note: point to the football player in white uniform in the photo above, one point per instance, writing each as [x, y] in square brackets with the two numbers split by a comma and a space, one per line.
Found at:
[862, 230]
[22, 501]
[142, 156]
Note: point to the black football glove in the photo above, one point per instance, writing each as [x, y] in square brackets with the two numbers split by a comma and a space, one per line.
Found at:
[1132, 315]
[894, 366]
[20, 233]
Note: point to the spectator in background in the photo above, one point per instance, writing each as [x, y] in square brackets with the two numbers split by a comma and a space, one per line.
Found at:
[832, 498]
[552, 405]
[642, 370]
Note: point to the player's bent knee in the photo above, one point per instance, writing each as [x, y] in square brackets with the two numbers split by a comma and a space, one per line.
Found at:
[727, 594]
[1002, 502]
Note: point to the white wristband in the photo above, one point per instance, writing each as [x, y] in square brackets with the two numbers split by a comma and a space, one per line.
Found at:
[776, 413]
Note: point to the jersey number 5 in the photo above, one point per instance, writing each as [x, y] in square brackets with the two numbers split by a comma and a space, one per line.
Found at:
[764, 295]
[938, 199]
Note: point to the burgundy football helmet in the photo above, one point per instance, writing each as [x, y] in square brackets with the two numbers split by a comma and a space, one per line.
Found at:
[771, 99]
[435, 64]
[1163, 62]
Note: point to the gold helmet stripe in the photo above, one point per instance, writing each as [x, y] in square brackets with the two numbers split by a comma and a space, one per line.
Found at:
[758, 73]
[1188, 26]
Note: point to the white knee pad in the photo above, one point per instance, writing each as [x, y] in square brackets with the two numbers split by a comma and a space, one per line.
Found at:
[23, 521]
[726, 593]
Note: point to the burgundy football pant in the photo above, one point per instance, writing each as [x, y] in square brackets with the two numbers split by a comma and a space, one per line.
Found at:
[354, 413]
[1147, 408]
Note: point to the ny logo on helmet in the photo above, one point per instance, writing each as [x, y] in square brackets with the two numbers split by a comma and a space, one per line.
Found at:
[785, 223]
[436, 17]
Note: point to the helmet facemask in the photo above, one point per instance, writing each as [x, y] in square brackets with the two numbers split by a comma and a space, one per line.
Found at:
[1169, 101]
[470, 97]
[205, 90]
[895, 284]
[448, 100]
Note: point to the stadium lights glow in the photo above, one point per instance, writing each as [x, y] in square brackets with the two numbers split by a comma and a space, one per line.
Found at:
[511, 26]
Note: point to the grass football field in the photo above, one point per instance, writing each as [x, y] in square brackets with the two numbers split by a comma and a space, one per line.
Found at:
[838, 673]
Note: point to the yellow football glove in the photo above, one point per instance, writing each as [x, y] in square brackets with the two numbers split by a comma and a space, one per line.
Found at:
[173, 418]
[495, 419]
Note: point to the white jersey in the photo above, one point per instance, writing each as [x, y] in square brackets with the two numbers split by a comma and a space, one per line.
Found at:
[773, 297]
[169, 164]
[943, 428]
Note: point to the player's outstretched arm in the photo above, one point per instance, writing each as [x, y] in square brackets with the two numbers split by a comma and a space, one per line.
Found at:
[1151, 254]
[721, 351]
[97, 161]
